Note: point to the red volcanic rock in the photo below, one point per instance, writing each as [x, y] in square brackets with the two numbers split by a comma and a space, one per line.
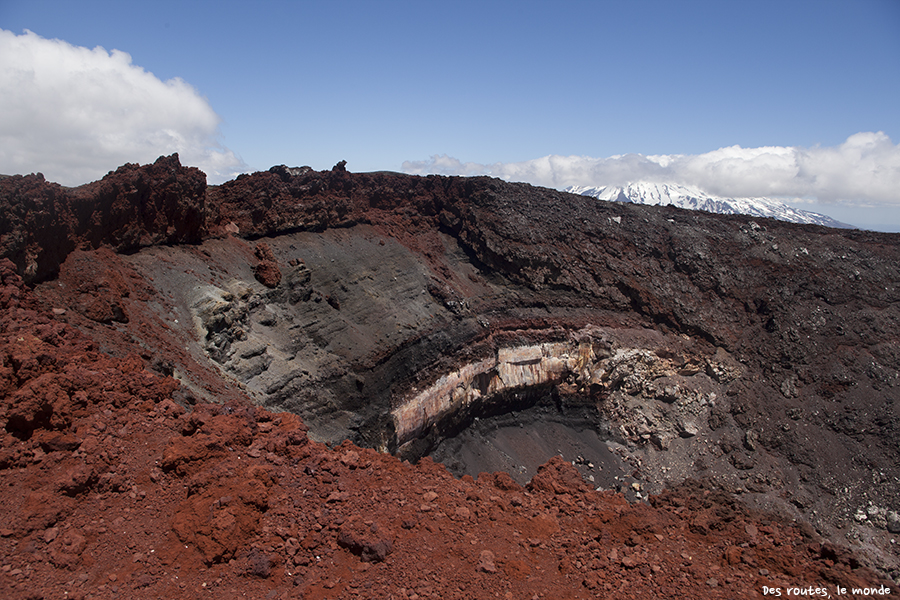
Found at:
[286, 199]
[132, 207]
[266, 270]
[137, 206]
[220, 518]
[100, 287]
[36, 229]
[368, 540]
[558, 476]
[486, 562]
[66, 550]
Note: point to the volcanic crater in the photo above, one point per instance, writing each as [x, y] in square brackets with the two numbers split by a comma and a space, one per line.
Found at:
[488, 326]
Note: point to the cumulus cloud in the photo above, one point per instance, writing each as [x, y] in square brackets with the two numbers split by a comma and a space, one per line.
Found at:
[74, 114]
[865, 169]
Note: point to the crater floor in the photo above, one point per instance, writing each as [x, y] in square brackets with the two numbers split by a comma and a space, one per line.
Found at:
[521, 441]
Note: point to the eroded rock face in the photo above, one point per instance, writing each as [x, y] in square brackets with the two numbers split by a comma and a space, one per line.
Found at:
[627, 384]
[509, 370]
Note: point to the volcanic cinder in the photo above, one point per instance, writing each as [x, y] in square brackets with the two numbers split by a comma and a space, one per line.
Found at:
[290, 385]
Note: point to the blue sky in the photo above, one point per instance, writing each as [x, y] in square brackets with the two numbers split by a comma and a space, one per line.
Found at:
[461, 87]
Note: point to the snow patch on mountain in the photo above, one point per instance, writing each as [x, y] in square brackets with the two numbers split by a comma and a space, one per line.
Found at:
[696, 199]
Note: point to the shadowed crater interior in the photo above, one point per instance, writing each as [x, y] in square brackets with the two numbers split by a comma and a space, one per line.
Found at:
[520, 441]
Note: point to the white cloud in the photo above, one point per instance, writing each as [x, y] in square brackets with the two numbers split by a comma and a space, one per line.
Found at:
[74, 114]
[865, 169]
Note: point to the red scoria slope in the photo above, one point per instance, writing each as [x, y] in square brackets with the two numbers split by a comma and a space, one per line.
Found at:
[114, 485]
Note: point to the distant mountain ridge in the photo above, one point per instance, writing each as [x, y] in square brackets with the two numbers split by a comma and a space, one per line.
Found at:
[696, 199]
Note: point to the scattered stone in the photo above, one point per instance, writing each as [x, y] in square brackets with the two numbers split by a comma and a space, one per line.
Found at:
[789, 387]
[688, 429]
[266, 271]
[370, 542]
[144, 580]
[486, 562]
[259, 564]
[50, 534]
[66, 550]
[893, 521]
[750, 439]
[337, 497]
[350, 459]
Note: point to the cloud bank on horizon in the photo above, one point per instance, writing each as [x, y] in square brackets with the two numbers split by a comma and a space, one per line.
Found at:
[864, 169]
[73, 113]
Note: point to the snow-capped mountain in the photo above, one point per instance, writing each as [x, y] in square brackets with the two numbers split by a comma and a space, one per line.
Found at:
[690, 197]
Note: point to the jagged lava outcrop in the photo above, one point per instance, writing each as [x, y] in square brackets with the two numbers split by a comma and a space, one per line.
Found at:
[756, 356]
[133, 207]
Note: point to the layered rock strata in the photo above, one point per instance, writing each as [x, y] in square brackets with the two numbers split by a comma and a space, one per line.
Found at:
[587, 364]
